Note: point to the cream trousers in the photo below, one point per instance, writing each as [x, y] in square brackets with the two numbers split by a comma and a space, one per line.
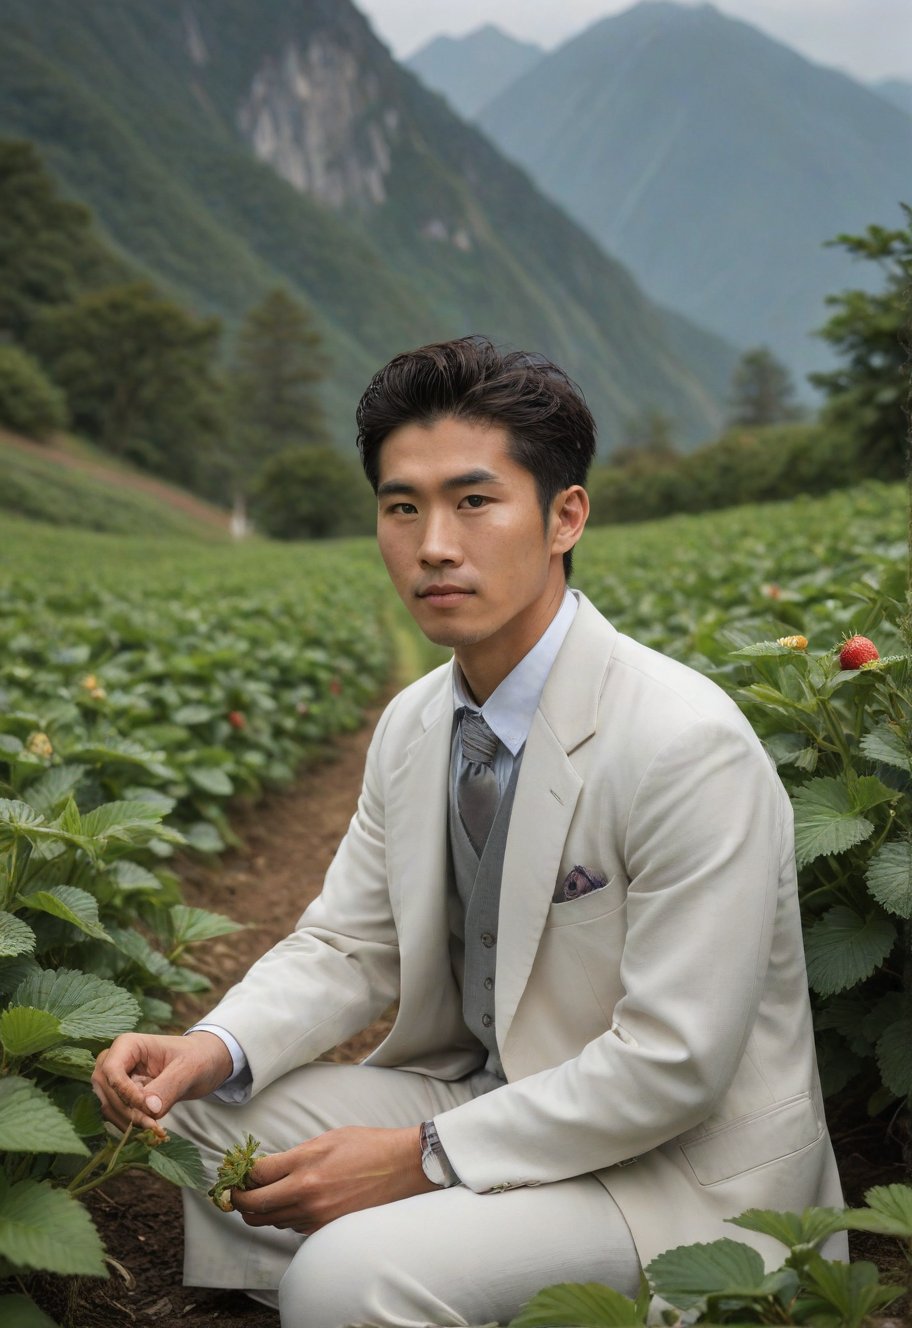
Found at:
[450, 1257]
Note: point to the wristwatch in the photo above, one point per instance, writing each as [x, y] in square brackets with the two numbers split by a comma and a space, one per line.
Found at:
[434, 1162]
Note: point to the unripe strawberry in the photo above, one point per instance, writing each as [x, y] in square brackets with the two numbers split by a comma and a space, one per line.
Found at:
[857, 650]
[793, 642]
[39, 744]
[237, 719]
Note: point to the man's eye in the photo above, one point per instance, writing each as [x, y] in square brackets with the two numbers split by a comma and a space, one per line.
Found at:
[475, 500]
[407, 509]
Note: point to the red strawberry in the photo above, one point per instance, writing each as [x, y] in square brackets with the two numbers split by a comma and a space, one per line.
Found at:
[335, 687]
[237, 719]
[857, 650]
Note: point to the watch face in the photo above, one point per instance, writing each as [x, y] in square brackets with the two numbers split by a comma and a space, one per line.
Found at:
[432, 1168]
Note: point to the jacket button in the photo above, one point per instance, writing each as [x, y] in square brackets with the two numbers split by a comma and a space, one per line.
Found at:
[487, 939]
[489, 984]
[487, 1020]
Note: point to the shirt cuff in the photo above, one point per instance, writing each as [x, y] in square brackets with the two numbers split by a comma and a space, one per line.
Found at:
[236, 1088]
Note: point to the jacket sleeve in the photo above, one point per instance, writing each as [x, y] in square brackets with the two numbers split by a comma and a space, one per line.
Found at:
[339, 968]
[708, 831]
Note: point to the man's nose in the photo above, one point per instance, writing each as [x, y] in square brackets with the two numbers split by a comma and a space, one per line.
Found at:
[439, 543]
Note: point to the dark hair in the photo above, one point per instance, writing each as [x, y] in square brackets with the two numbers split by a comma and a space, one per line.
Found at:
[550, 427]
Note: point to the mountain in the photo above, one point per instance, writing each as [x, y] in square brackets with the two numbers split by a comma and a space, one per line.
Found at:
[715, 163]
[898, 91]
[231, 145]
[470, 71]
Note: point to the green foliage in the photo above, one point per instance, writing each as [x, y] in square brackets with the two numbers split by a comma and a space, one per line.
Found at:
[310, 494]
[234, 1172]
[141, 685]
[724, 1281]
[139, 375]
[763, 464]
[720, 593]
[278, 362]
[868, 396]
[49, 253]
[762, 390]
[36, 487]
[29, 402]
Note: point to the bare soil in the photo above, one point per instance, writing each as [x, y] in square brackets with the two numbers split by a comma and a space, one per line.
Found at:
[288, 841]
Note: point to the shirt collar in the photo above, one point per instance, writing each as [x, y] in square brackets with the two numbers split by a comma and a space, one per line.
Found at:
[511, 707]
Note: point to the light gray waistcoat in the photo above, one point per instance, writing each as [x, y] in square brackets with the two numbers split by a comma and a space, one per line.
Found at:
[474, 899]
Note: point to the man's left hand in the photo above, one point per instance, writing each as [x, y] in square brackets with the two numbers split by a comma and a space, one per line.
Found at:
[338, 1172]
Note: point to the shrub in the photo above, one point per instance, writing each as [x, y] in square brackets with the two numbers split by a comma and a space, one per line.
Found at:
[311, 493]
[29, 402]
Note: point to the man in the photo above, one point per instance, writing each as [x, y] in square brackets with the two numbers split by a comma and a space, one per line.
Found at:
[572, 865]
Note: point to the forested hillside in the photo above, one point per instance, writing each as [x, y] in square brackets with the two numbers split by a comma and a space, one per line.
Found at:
[230, 147]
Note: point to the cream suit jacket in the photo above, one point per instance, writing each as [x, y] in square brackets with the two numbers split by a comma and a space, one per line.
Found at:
[657, 1031]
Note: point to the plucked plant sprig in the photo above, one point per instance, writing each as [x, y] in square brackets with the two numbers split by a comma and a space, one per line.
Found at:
[234, 1172]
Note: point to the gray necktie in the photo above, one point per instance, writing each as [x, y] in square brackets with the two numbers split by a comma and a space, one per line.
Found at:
[477, 792]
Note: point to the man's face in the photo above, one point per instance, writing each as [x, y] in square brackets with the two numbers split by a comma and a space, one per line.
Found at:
[461, 532]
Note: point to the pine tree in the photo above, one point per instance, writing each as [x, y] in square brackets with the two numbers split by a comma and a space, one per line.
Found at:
[278, 364]
[762, 390]
[868, 396]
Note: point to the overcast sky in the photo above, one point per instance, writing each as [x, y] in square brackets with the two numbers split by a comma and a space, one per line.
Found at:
[871, 39]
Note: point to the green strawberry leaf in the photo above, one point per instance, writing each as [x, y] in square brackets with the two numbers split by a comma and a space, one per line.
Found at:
[30, 1122]
[88, 1007]
[42, 1227]
[48, 794]
[886, 746]
[868, 791]
[25, 1031]
[686, 1275]
[198, 924]
[826, 820]
[889, 877]
[21, 1312]
[894, 1056]
[211, 780]
[853, 1289]
[791, 1229]
[68, 1062]
[75, 906]
[179, 1161]
[16, 936]
[888, 1212]
[579, 1305]
[843, 948]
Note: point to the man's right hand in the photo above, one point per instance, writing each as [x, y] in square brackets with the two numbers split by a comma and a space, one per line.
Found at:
[141, 1075]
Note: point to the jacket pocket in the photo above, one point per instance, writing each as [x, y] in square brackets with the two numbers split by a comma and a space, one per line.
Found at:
[595, 904]
[753, 1141]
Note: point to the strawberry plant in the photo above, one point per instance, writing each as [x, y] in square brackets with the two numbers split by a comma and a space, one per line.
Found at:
[725, 1282]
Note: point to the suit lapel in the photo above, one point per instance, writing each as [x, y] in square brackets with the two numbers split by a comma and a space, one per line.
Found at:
[416, 820]
[546, 795]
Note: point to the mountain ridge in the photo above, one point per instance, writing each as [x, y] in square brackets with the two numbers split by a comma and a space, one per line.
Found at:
[182, 132]
[758, 155]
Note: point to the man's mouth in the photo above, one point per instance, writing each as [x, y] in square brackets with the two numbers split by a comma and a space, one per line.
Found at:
[444, 594]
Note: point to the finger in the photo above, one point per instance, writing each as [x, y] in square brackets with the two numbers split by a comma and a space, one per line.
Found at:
[272, 1167]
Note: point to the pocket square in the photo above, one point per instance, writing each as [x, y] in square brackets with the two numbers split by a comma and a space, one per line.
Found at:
[579, 881]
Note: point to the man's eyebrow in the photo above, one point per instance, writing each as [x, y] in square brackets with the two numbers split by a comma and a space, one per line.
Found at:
[464, 481]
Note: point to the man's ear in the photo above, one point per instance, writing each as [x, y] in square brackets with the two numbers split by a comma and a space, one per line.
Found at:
[569, 511]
